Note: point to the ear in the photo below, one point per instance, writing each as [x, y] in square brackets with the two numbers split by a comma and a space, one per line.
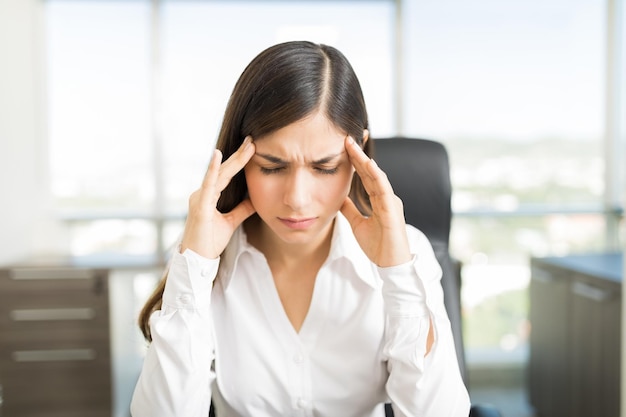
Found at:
[366, 136]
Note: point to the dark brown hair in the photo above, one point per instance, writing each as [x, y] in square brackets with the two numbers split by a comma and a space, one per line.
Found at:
[282, 85]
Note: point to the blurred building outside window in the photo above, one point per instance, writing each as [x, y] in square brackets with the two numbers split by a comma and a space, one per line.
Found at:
[515, 90]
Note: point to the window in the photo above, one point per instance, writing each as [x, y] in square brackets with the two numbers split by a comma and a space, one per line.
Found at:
[516, 91]
[137, 91]
[206, 46]
[99, 103]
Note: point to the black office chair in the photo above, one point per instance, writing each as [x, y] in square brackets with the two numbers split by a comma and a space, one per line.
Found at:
[419, 172]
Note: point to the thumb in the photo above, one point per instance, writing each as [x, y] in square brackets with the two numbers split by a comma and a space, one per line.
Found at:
[241, 212]
[351, 212]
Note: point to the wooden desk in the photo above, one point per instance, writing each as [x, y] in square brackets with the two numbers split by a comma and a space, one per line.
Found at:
[575, 314]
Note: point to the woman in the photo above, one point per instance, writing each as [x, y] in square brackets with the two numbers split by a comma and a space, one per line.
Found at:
[297, 289]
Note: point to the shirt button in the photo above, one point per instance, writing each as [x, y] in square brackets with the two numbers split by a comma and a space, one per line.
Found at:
[205, 272]
[184, 299]
[302, 403]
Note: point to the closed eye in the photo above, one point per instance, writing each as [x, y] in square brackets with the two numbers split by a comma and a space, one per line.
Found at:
[326, 171]
[274, 170]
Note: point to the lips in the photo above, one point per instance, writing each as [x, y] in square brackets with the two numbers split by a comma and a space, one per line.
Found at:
[298, 223]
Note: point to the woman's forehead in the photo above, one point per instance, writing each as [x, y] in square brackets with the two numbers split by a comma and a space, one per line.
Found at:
[312, 138]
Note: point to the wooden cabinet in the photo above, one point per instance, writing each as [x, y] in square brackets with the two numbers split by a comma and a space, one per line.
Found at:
[54, 342]
[575, 314]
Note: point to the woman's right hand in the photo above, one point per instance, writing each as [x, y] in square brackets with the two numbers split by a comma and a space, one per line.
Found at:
[207, 231]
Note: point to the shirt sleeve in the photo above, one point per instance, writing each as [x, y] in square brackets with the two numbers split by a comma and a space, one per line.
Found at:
[420, 384]
[176, 376]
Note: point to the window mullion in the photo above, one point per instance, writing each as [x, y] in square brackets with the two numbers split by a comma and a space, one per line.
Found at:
[613, 166]
[156, 106]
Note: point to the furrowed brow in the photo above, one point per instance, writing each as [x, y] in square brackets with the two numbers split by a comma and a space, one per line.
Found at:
[272, 158]
[276, 160]
[327, 159]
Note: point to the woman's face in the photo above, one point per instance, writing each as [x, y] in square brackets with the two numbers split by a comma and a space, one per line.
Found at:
[299, 178]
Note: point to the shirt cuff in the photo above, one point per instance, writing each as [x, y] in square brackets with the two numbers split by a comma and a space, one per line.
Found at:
[189, 281]
[403, 290]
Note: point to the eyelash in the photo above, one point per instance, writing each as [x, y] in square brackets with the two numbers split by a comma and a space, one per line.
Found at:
[323, 171]
[268, 171]
[327, 171]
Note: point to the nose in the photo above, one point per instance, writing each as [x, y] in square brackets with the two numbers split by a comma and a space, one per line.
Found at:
[297, 190]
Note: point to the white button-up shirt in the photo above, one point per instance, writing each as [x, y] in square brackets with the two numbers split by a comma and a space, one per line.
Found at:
[223, 335]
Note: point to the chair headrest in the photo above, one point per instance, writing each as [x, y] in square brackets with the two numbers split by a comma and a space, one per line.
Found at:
[419, 172]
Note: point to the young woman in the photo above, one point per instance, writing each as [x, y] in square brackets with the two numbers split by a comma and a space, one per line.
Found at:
[298, 289]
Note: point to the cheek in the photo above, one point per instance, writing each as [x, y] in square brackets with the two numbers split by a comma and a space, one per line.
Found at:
[339, 187]
[349, 176]
[255, 184]
[264, 191]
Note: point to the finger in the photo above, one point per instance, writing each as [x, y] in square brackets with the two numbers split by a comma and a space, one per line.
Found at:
[235, 163]
[241, 212]
[213, 171]
[359, 159]
[373, 178]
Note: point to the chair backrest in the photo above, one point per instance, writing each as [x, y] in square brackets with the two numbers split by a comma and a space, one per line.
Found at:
[419, 172]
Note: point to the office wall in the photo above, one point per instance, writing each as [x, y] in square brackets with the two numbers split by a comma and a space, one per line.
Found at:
[27, 224]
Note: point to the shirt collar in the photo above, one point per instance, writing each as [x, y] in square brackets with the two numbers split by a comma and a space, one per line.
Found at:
[343, 248]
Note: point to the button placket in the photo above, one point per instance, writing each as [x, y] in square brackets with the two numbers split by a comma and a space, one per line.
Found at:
[301, 387]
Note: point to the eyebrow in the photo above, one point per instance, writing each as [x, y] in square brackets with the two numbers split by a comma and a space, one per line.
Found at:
[277, 160]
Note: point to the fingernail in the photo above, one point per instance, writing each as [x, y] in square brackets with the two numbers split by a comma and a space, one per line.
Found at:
[247, 141]
[351, 140]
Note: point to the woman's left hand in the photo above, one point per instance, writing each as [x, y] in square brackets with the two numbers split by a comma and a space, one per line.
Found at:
[382, 236]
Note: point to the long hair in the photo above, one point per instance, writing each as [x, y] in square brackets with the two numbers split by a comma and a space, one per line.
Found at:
[282, 85]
